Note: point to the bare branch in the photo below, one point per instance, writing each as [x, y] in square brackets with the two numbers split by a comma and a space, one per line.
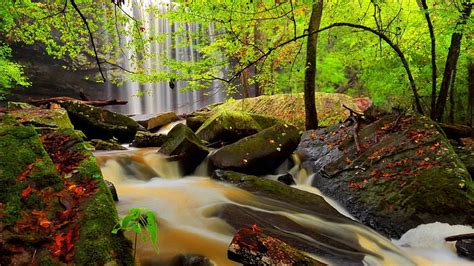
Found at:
[86, 23]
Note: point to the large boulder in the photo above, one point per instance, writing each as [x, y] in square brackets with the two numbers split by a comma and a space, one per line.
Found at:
[183, 145]
[152, 121]
[98, 123]
[50, 118]
[104, 145]
[230, 126]
[260, 153]
[395, 174]
[54, 204]
[290, 107]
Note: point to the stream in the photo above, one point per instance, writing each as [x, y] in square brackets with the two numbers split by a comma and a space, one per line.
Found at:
[195, 215]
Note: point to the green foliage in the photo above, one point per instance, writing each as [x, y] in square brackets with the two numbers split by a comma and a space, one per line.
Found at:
[11, 73]
[140, 220]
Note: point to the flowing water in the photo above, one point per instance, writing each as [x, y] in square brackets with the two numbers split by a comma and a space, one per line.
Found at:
[191, 212]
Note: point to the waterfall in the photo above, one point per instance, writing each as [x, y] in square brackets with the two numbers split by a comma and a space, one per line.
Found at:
[158, 96]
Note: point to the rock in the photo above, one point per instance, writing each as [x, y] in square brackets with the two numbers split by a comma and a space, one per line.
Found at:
[100, 123]
[260, 153]
[112, 189]
[465, 248]
[20, 105]
[230, 126]
[191, 260]
[145, 139]
[466, 155]
[287, 179]
[341, 249]
[252, 247]
[185, 147]
[43, 180]
[195, 121]
[405, 174]
[55, 118]
[290, 107]
[102, 145]
[152, 121]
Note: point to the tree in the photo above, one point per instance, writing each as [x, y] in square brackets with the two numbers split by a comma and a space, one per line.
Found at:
[451, 60]
[311, 118]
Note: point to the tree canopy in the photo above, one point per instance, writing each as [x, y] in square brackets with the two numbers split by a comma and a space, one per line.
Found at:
[391, 51]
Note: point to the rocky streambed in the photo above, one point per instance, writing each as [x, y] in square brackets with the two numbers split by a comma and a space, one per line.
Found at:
[393, 173]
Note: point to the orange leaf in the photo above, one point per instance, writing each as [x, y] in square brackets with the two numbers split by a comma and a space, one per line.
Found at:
[39, 213]
[26, 192]
[45, 223]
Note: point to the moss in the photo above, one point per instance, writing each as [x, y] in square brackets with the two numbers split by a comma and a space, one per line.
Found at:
[232, 125]
[290, 107]
[96, 244]
[55, 118]
[20, 147]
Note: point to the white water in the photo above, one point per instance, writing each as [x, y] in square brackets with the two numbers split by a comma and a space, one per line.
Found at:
[185, 209]
[158, 96]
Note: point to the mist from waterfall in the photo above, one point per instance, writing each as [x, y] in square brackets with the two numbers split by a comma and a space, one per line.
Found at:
[159, 96]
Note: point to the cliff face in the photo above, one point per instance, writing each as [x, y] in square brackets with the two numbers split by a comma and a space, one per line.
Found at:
[55, 77]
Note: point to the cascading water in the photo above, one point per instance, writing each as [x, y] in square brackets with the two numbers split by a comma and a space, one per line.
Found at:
[191, 212]
[159, 96]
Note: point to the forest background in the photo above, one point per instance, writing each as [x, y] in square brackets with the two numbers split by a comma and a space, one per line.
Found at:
[410, 53]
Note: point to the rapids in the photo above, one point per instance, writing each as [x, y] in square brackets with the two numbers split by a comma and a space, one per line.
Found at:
[190, 216]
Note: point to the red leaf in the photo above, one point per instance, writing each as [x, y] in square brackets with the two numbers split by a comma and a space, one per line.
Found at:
[26, 192]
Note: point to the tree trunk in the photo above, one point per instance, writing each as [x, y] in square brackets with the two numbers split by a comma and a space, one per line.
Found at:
[451, 98]
[433, 58]
[311, 116]
[451, 62]
[258, 38]
[470, 92]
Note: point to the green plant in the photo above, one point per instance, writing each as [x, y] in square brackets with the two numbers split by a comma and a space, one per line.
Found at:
[139, 220]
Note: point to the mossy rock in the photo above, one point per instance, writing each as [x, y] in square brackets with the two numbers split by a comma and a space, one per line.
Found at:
[230, 126]
[103, 145]
[196, 120]
[54, 202]
[42, 118]
[260, 153]
[290, 107]
[98, 123]
[145, 139]
[183, 145]
[20, 105]
[405, 173]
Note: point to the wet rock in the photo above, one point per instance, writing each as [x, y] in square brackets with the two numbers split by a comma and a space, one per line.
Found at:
[103, 145]
[183, 145]
[466, 155]
[191, 260]
[98, 123]
[252, 247]
[260, 153]
[145, 139]
[340, 250]
[404, 173]
[230, 126]
[287, 179]
[112, 189]
[465, 248]
[153, 121]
